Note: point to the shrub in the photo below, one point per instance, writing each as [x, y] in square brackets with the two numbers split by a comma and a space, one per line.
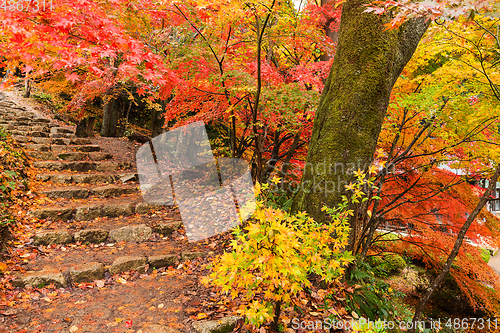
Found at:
[273, 256]
[371, 297]
[13, 179]
[386, 264]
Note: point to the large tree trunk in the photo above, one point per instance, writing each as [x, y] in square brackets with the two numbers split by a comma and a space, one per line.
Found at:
[110, 118]
[354, 103]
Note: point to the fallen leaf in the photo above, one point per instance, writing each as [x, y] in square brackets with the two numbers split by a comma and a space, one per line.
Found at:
[201, 315]
[9, 312]
[73, 329]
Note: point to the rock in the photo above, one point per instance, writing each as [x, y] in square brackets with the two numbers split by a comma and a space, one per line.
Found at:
[62, 179]
[92, 178]
[72, 156]
[52, 237]
[56, 130]
[223, 325]
[129, 177]
[40, 278]
[85, 127]
[88, 213]
[87, 272]
[54, 213]
[123, 264]
[106, 166]
[50, 165]
[167, 228]
[41, 120]
[118, 210]
[162, 260]
[61, 135]
[40, 128]
[144, 207]
[88, 148]
[159, 329]
[75, 193]
[138, 233]
[192, 255]
[95, 236]
[80, 166]
[60, 142]
[43, 177]
[37, 134]
[80, 141]
[37, 147]
[21, 139]
[100, 156]
[41, 155]
[111, 191]
[59, 148]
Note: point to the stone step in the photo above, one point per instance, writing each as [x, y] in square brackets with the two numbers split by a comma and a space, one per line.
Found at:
[129, 233]
[82, 166]
[6, 104]
[35, 134]
[86, 178]
[61, 130]
[66, 156]
[152, 216]
[85, 192]
[17, 115]
[89, 271]
[81, 148]
[92, 210]
[25, 141]
[26, 126]
[39, 134]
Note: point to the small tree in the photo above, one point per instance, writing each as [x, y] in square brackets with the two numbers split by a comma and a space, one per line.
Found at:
[273, 256]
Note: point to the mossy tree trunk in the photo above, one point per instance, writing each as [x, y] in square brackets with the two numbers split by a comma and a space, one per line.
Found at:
[354, 103]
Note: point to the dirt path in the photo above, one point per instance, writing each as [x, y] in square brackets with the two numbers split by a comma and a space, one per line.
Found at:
[95, 257]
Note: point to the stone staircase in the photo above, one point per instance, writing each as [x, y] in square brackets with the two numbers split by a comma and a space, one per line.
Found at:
[95, 222]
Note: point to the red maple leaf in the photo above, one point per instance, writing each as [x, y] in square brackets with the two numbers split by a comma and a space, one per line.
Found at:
[73, 77]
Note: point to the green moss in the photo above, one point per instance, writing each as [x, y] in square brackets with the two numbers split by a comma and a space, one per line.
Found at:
[486, 255]
[386, 264]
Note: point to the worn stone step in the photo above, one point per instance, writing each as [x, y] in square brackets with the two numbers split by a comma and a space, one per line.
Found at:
[85, 263]
[93, 209]
[28, 128]
[82, 166]
[129, 233]
[62, 135]
[61, 130]
[34, 134]
[84, 192]
[18, 116]
[81, 148]
[160, 218]
[86, 178]
[59, 144]
[67, 156]
[89, 271]
[6, 104]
